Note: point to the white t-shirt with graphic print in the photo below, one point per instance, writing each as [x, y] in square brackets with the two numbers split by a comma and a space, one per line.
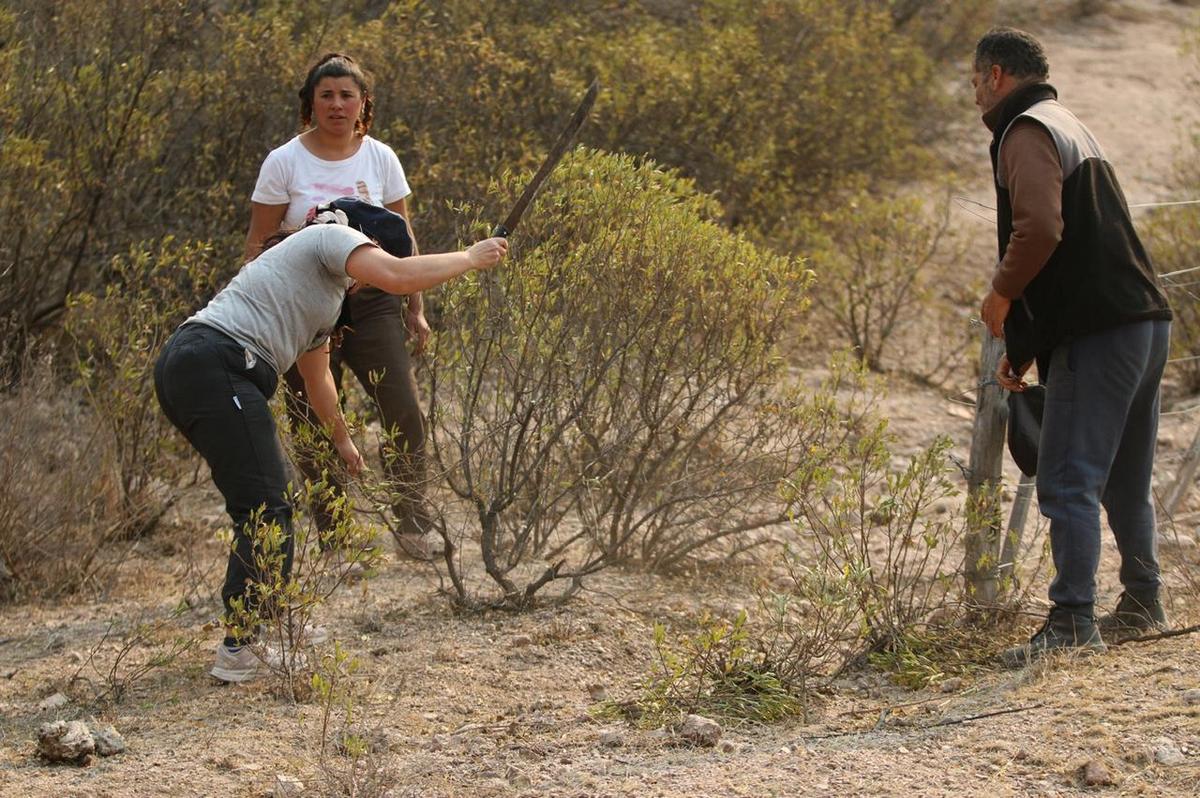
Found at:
[294, 175]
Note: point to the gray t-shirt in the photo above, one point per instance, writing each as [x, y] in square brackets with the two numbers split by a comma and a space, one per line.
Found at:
[286, 301]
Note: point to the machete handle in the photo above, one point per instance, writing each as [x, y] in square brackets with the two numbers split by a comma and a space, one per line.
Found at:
[499, 231]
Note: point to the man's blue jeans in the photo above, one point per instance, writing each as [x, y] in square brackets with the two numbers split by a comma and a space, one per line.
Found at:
[1097, 448]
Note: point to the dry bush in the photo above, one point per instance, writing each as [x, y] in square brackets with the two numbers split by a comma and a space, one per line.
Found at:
[116, 338]
[138, 649]
[1173, 237]
[60, 513]
[877, 263]
[610, 394]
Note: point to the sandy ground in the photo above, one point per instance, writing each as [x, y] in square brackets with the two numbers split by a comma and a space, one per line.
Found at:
[500, 704]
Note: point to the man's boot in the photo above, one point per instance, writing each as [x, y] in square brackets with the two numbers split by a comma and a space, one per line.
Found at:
[1065, 629]
[1136, 614]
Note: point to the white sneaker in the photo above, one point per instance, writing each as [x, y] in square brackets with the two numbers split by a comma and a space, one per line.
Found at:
[241, 664]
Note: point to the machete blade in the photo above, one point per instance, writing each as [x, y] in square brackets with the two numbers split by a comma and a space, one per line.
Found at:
[561, 145]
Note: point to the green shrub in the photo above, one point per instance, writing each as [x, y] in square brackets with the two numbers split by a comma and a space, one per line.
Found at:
[714, 672]
[610, 393]
[862, 517]
[116, 338]
[875, 263]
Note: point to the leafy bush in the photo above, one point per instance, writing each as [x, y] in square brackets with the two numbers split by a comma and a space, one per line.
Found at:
[770, 106]
[610, 394]
[863, 518]
[713, 672]
[276, 615]
[873, 260]
[117, 337]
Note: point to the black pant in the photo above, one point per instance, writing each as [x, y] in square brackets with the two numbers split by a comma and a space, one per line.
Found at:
[217, 395]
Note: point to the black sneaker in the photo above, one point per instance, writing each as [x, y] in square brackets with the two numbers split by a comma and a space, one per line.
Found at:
[1134, 616]
[1064, 630]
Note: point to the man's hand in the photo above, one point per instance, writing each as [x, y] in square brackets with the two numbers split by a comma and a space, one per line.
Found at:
[418, 328]
[1013, 380]
[994, 311]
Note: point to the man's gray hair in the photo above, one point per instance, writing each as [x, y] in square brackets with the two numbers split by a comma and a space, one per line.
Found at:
[1016, 52]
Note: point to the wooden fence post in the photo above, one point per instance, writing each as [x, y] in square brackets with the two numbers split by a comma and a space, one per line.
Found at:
[1016, 527]
[983, 479]
[1183, 479]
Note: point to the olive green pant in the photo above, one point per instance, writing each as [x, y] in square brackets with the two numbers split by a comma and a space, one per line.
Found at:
[374, 347]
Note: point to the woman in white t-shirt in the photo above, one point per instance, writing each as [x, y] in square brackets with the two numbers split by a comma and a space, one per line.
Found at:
[334, 157]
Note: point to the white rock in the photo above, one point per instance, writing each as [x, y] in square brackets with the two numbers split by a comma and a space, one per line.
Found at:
[109, 741]
[1166, 752]
[952, 685]
[56, 701]
[287, 786]
[699, 730]
[65, 741]
[1191, 696]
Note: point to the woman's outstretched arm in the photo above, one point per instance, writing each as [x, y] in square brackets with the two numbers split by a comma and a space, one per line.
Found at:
[373, 266]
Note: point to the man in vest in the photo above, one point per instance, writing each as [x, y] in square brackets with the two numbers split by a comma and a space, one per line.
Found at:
[1075, 291]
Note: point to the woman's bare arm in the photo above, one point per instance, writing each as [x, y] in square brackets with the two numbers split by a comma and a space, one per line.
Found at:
[373, 266]
[264, 221]
[321, 393]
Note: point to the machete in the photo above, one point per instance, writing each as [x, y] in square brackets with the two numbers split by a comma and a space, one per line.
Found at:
[504, 229]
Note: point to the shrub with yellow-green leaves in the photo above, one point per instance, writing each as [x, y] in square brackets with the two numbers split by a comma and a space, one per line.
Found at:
[611, 393]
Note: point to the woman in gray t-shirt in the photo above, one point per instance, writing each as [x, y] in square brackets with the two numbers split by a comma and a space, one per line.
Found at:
[217, 373]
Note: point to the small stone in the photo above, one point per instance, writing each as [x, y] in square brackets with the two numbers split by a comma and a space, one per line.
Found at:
[8, 674]
[431, 716]
[612, 739]
[109, 741]
[1095, 774]
[75, 657]
[56, 701]
[66, 741]
[522, 641]
[1191, 697]
[951, 685]
[288, 786]
[437, 742]
[1166, 752]
[727, 747]
[699, 730]
[598, 692]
